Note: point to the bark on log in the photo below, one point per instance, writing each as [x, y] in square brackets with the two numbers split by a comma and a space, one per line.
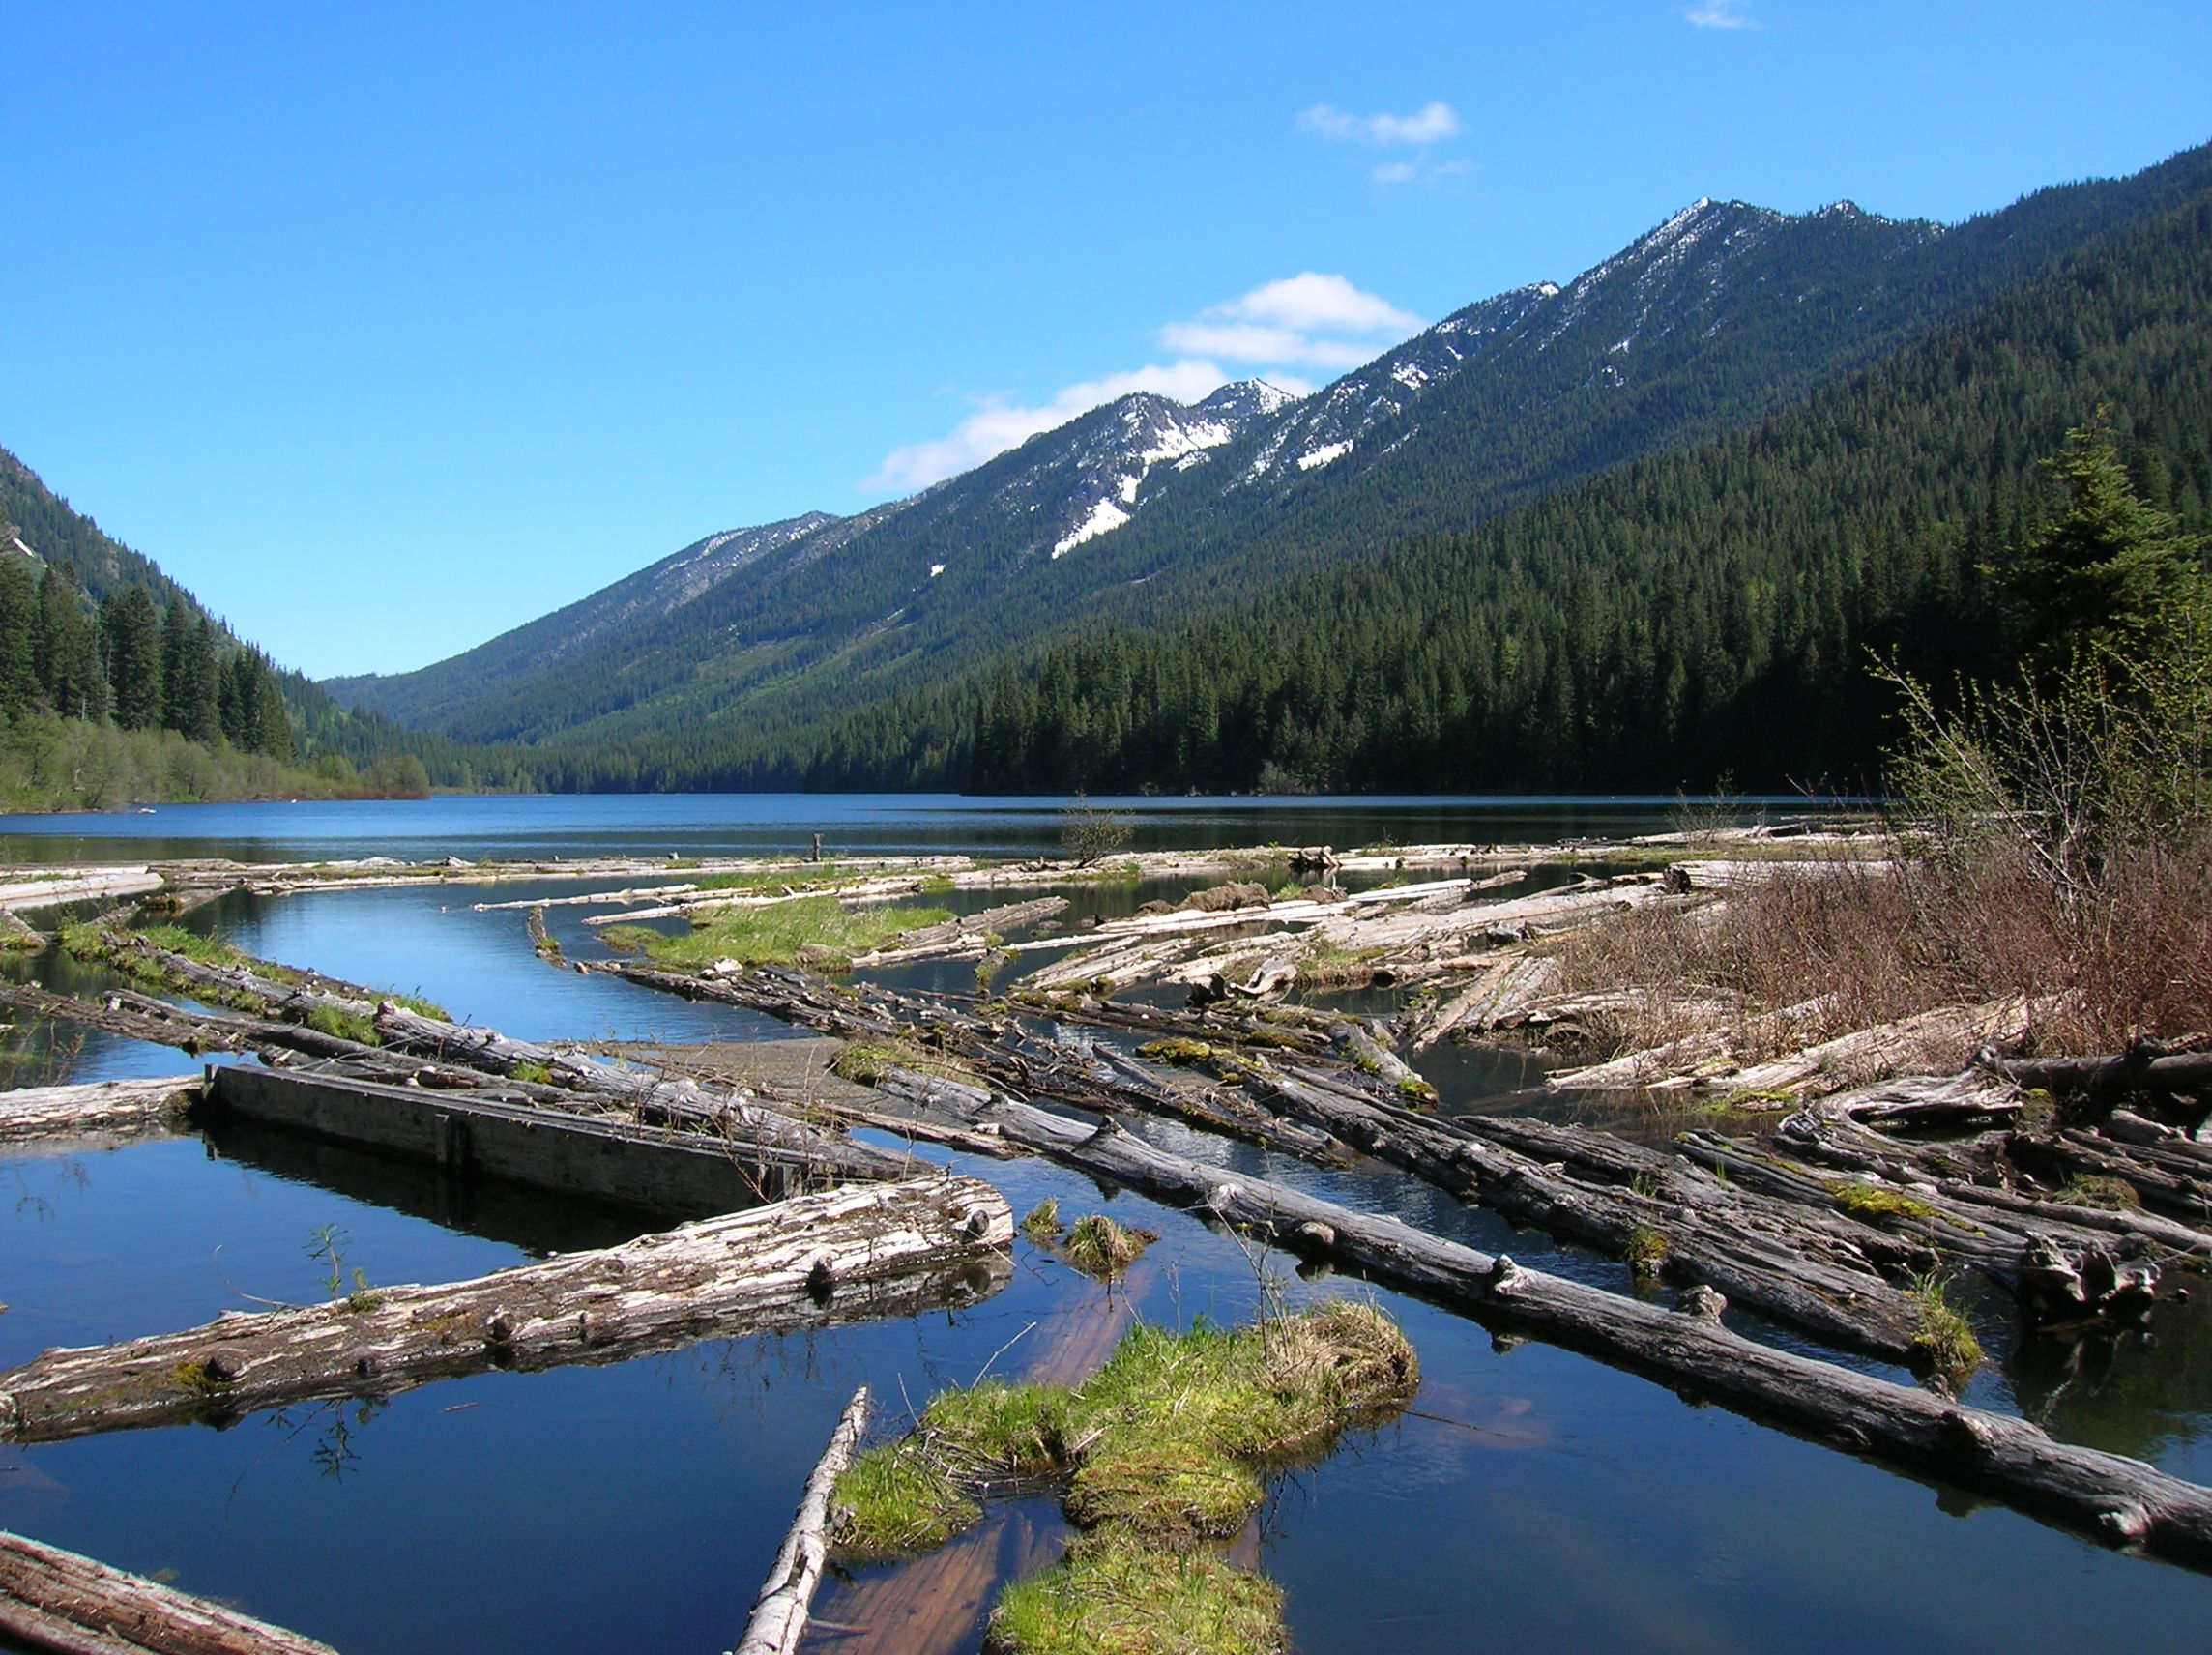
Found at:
[2120, 1501]
[2185, 1071]
[859, 1252]
[779, 1614]
[51, 1599]
[101, 1106]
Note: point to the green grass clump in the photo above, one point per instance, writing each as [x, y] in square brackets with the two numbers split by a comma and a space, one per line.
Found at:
[1041, 1223]
[818, 932]
[894, 1502]
[1176, 1050]
[1121, 1598]
[773, 880]
[1099, 1247]
[533, 1074]
[994, 1428]
[1878, 1201]
[1946, 1345]
[343, 1025]
[864, 1062]
[2094, 1189]
[1647, 1250]
[1417, 1091]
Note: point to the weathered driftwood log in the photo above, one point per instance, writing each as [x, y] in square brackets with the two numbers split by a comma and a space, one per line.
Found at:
[1766, 1256]
[966, 934]
[845, 1255]
[2120, 1501]
[780, 1614]
[2132, 1071]
[51, 1599]
[100, 1106]
[51, 889]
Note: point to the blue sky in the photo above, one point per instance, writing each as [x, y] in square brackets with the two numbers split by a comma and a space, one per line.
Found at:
[388, 328]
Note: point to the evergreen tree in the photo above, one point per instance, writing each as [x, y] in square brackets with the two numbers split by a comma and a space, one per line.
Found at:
[191, 686]
[2107, 567]
[176, 667]
[18, 615]
[65, 650]
[132, 632]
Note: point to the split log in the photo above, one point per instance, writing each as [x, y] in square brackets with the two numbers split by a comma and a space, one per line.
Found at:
[51, 1599]
[779, 1614]
[1761, 1253]
[845, 1255]
[2118, 1500]
[101, 1106]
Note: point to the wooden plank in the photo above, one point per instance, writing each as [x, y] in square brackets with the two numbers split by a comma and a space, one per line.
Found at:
[651, 1169]
[51, 1599]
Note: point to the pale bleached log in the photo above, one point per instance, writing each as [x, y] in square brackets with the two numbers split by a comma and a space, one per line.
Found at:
[779, 1614]
[964, 935]
[854, 1253]
[51, 1599]
[25, 891]
[97, 1106]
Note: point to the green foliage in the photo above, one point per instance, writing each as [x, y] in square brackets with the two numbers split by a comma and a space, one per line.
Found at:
[1089, 834]
[816, 931]
[895, 1501]
[1103, 1249]
[1874, 1202]
[2093, 1189]
[343, 1025]
[1647, 1250]
[1116, 1598]
[1041, 1223]
[1944, 1343]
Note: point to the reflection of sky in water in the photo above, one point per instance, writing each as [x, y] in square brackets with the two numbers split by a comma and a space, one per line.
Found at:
[737, 824]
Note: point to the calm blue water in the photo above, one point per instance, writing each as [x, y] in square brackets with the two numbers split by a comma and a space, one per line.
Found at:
[726, 824]
[1553, 1504]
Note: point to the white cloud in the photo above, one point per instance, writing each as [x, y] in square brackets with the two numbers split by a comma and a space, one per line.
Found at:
[1425, 125]
[1721, 15]
[999, 425]
[1306, 320]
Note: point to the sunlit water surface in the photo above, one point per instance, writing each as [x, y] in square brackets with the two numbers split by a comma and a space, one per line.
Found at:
[1536, 1499]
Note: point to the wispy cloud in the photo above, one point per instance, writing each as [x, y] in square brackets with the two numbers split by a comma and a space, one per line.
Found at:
[1721, 15]
[1305, 320]
[1429, 124]
[1308, 320]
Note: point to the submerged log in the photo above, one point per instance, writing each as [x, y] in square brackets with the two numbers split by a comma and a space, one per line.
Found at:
[51, 1599]
[2118, 1500]
[846, 1255]
[100, 1106]
[779, 1614]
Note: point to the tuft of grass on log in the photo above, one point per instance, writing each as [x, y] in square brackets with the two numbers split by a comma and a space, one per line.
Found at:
[818, 932]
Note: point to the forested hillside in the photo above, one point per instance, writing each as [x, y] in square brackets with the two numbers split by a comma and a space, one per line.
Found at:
[1681, 619]
[117, 686]
[858, 652]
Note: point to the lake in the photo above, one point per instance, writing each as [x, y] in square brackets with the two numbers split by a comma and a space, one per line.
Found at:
[1537, 1499]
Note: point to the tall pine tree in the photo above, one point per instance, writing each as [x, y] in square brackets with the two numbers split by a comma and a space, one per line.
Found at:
[131, 630]
[65, 650]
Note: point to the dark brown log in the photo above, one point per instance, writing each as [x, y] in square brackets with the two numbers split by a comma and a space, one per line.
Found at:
[779, 1614]
[850, 1253]
[2120, 1501]
[2131, 1071]
[51, 1599]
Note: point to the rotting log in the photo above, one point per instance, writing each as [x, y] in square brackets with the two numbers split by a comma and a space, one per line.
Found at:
[2131, 1071]
[845, 1255]
[779, 1619]
[117, 1107]
[51, 1599]
[2120, 1501]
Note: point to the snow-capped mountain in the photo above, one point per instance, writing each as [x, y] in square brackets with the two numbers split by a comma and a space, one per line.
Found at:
[1147, 511]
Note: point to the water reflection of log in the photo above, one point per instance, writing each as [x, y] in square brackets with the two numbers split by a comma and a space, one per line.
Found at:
[2122, 1502]
[51, 1599]
[859, 1253]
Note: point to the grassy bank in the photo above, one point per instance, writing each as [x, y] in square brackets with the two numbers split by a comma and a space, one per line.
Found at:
[817, 932]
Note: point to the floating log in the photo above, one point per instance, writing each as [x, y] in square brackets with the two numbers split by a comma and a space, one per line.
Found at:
[845, 1255]
[1766, 1256]
[119, 1106]
[24, 891]
[779, 1614]
[2120, 1501]
[966, 934]
[51, 1599]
